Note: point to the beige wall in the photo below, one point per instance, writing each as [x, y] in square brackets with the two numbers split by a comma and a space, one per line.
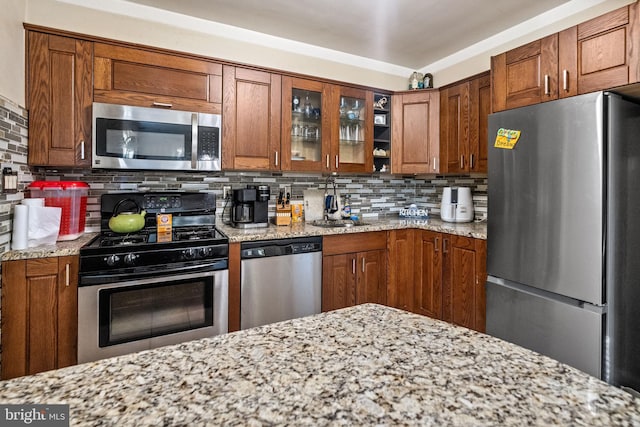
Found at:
[473, 60]
[12, 50]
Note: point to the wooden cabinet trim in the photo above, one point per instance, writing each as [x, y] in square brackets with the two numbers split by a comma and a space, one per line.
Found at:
[160, 59]
[603, 23]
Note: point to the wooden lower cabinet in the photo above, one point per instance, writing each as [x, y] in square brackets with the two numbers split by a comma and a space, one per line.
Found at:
[354, 270]
[463, 284]
[438, 275]
[39, 315]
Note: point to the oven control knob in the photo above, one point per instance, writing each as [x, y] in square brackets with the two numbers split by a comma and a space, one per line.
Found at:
[112, 260]
[130, 259]
[189, 253]
[205, 252]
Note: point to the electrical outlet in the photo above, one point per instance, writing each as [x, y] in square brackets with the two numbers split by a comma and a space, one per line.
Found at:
[226, 192]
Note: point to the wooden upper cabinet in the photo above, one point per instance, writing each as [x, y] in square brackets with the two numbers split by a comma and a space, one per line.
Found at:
[415, 132]
[59, 100]
[526, 75]
[479, 110]
[606, 50]
[351, 130]
[464, 115]
[134, 76]
[454, 129]
[598, 54]
[251, 119]
[306, 125]
[39, 315]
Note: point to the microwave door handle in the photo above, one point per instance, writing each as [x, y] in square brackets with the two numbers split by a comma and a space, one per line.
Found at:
[194, 141]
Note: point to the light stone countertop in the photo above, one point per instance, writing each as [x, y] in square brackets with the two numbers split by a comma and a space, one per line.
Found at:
[63, 248]
[476, 230]
[364, 365]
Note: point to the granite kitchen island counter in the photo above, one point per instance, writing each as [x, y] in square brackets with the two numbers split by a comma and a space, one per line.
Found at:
[363, 365]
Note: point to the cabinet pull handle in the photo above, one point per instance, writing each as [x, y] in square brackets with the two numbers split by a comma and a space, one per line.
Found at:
[66, 280]
[462, 162]
[363, 264]
[162, 104]
[437, 244]
[471, 162]
[547, 91]
[337, 163]
[276, 160]
[444, 246]
[82, 150]
[353, 266]
[434, 163]
[328, 162]
[565, 80]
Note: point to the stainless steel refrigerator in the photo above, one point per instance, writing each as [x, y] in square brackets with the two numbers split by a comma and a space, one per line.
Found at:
[564, 233]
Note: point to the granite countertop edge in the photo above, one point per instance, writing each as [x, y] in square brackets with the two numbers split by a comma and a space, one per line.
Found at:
[477, 230]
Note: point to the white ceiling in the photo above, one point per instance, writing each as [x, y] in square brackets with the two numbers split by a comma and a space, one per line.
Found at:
[405, 33]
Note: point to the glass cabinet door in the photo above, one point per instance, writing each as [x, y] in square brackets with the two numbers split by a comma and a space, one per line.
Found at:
[354, 151]
[305, 125]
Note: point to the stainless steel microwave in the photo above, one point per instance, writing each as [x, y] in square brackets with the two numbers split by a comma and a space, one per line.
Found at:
[127, 137]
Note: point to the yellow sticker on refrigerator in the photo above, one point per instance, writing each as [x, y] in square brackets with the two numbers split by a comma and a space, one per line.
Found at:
[507, 138]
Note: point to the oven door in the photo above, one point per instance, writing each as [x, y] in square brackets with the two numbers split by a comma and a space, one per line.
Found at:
[129, 316]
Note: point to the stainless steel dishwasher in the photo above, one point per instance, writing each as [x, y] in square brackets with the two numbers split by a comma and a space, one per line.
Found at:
[280, 280]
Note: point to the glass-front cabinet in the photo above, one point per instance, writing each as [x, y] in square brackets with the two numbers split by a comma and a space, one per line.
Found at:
[306, 125]
[352, 148]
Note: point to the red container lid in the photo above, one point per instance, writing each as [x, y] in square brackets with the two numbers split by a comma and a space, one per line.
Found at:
[65, 185]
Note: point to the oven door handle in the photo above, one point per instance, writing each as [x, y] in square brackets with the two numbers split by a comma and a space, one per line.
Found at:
[152, 275]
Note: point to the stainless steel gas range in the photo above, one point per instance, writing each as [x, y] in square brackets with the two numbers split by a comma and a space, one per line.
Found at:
[156, 286]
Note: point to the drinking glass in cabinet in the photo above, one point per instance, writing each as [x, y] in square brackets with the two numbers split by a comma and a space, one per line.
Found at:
[306, 125]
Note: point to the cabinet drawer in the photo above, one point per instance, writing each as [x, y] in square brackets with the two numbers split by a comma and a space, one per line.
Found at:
[354, 242]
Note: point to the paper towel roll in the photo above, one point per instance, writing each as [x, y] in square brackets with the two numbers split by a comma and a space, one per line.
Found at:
[19, 234]
[43, 225]
[35, 201]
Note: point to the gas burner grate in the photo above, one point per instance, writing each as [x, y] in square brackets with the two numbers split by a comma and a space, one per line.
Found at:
[193, 233]
[123, 240]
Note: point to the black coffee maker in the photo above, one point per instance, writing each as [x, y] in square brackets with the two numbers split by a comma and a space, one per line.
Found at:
[250, 207]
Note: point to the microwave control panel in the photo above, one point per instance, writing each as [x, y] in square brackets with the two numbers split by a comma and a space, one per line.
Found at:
[208, 143]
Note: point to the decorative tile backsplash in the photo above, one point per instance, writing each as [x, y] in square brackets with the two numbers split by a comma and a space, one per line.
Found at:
[370, 195]
[378, 194]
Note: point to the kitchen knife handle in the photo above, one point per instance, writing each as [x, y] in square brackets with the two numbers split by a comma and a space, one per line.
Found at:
[276, 159]
[436, 244]
[82, 150]
[162, 104]
[444, 246]
[546, 85]
[66, 280]
[565, 80]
